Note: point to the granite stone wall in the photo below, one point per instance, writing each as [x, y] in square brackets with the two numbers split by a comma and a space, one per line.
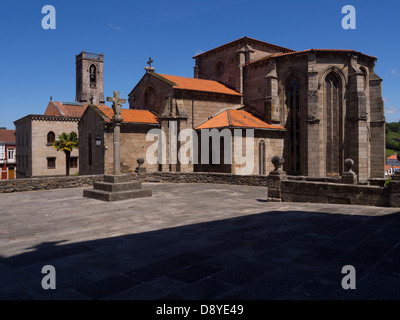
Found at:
[47, 183]
[319, 192]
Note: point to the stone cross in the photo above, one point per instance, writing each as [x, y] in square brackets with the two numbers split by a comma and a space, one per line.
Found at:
[149, 68]
[117, 106]
[91, 99]
[117, 119]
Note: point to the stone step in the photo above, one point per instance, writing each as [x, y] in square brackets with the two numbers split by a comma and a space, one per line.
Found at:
[111, 178]
[116, 196]
[116, 187]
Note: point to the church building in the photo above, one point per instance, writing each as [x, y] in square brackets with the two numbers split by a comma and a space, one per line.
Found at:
[314, 107]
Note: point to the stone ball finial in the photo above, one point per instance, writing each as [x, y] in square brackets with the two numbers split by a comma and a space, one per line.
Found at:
[277, 161]
[348, 164]
[140, 161]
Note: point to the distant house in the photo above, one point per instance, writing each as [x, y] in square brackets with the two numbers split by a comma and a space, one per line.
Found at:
[390, 170]
[36, 134]
[392, 161]
[7, 154]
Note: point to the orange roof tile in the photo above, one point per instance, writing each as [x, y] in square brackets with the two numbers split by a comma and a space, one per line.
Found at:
[387, 167]
[232, 118]
[70, 110]
[67, 109]
[131, 115]
[392, 157]
[7, 136]
[199, 85]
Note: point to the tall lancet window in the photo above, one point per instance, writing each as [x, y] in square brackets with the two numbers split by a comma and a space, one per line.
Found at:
[92, 76]
[293, 126]
[334, 126]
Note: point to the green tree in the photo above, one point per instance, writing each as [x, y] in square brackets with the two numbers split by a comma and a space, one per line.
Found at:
[66, 142]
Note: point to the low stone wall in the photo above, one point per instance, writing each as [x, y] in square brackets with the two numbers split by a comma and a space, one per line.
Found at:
[290, 189]
[47, 183]
[317, 192]
[204, 177]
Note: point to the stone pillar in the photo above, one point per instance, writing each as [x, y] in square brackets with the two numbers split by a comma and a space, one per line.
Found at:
[272, 99]
[349, 176]
[117, 154]
[275, 178]
[118, 186]
[315, 164]
[358, 139]
[244, 57]
[377, 125]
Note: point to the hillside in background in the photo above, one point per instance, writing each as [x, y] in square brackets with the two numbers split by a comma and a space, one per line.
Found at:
[392, 138]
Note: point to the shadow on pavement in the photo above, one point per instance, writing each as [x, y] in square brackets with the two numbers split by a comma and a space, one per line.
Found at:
[273, 255]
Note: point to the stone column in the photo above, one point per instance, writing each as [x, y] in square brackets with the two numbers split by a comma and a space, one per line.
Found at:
[315, 162]
[377, 125]
[358, 139]
[244, 57]
[349, 176]
[117, 154]
[275, 178]
[272, 99]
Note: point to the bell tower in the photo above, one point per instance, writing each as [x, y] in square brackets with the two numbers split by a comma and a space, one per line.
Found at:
[89, 77]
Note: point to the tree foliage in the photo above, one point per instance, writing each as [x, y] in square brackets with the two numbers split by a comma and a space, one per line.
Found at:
[66, 142]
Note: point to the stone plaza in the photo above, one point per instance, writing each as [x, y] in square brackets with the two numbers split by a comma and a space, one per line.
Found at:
[195, 241]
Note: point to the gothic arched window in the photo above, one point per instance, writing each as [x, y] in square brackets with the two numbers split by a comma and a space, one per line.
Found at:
[92, 76]
[293, 125]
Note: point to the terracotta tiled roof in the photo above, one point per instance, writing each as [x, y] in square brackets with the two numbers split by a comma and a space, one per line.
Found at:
[66, 109]
[199, 85]
[232, 118]
[131, 115]
[7, 136]
[387, 167]
[392, 157]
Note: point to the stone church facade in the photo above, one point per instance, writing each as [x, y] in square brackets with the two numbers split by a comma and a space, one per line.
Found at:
[327, 101]
[315, 108]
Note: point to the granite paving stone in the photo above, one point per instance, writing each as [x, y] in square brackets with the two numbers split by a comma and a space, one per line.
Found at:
[194, 241]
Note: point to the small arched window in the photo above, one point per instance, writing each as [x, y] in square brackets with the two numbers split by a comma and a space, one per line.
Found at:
[92, 76]
[219, 68]
[149, 98]
[51, 138]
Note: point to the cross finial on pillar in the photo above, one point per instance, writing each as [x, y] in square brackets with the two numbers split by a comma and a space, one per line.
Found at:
[149, 68]
[91, 99]
[117, 106]
[117, 119]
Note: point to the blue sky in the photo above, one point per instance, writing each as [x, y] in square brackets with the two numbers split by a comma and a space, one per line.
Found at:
[38, 63]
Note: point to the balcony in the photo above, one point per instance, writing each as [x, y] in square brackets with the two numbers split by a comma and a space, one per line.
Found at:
[11, 161]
